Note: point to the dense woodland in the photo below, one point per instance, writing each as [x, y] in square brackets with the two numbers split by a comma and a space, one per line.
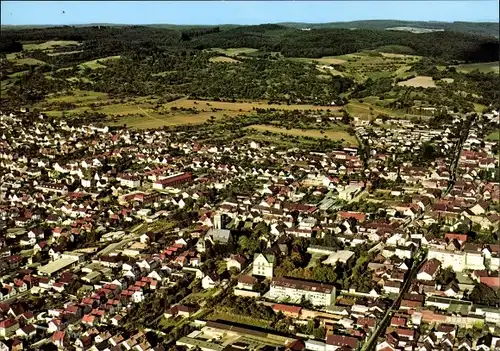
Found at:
[168, 62]
[290, 42]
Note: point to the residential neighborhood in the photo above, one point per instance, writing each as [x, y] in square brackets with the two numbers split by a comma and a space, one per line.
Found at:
[125, 239]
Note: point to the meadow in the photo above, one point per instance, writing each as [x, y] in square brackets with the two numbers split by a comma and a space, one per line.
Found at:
[314, 133]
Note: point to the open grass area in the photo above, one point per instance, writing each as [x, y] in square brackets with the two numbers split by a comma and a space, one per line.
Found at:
[235, 51]
[364, 110]
[146, 112]
[327, 60]
[484, 67]
[49, 45]
[64, 53]
[230, 317]
[26, 61]
[367, 64]
[224, 59]
[419, 81]
[78, 97]
[314, 133]
[99, 63]
[494, 136]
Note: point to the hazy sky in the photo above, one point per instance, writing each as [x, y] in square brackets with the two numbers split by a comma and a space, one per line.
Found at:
[241, 12]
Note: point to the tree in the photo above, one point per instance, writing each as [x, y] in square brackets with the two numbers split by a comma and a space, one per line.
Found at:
[484, 295]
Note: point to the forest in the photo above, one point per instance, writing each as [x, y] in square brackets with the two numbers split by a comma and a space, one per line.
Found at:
[291, 42]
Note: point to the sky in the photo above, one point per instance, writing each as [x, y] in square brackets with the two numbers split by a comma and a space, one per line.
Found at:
[241, 12]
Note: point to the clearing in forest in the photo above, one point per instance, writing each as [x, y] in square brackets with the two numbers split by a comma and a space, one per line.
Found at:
[419, 81]
[49, 45]
[223, 59]
[99, 63]
[235, 51]
[314, 133]
[483, 67]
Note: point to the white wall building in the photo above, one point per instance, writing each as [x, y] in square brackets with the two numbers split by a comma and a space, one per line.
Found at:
[295, 290]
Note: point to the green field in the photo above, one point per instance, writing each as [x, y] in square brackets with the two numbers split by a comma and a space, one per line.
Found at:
[234, 51]
[366, 64]
[314, 133]
[26, 61]
[494, 136]
[223, 59]
[49, 45]
[99, 63]
[484, 67]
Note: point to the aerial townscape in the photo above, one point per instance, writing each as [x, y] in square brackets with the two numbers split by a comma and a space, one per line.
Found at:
[290, 186]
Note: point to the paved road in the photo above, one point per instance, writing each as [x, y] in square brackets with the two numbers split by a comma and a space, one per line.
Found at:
[454, 164]
[371, 343]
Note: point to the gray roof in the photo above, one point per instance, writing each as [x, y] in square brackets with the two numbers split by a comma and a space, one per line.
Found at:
[221, 235]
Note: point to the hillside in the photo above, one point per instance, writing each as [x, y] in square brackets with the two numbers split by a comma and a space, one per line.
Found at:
[290, 42]
[479, 28]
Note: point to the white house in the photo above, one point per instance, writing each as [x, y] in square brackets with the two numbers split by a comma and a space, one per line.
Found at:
[263, 265]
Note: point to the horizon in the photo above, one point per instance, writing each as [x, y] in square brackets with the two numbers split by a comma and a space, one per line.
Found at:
[213, 13]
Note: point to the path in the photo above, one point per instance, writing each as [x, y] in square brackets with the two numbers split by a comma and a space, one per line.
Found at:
[148, 115]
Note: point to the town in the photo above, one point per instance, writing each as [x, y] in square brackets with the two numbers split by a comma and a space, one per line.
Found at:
[115, 238]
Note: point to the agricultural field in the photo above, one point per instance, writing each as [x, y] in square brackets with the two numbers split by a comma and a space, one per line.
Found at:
[419, 81]
[146, 112]
[366, 64]
[50, 45]
[235, 51]
[25, 61]
[99, 63]
[485, 67]
[314, 133]
[223, 59]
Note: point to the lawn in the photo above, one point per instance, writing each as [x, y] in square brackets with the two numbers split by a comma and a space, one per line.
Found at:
[494, 136]
[223, 59]
[419, 81]
[314, 133]
[99, 63]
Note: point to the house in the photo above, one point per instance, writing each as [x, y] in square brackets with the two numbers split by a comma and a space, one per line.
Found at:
[210, 281]
[287, 310]
[334, 342]
[237, 262]
[8, 327]
[263, 265]
[59, 339]
[429, 270]
[180, 310]
[246, 282]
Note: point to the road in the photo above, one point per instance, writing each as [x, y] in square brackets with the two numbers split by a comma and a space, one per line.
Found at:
[371, 343]
[458, 150]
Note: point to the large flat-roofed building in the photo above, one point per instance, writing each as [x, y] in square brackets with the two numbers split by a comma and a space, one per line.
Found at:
[57, 265]
[319, 294]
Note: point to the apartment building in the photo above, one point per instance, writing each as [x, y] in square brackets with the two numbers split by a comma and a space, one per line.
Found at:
[295, 290]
